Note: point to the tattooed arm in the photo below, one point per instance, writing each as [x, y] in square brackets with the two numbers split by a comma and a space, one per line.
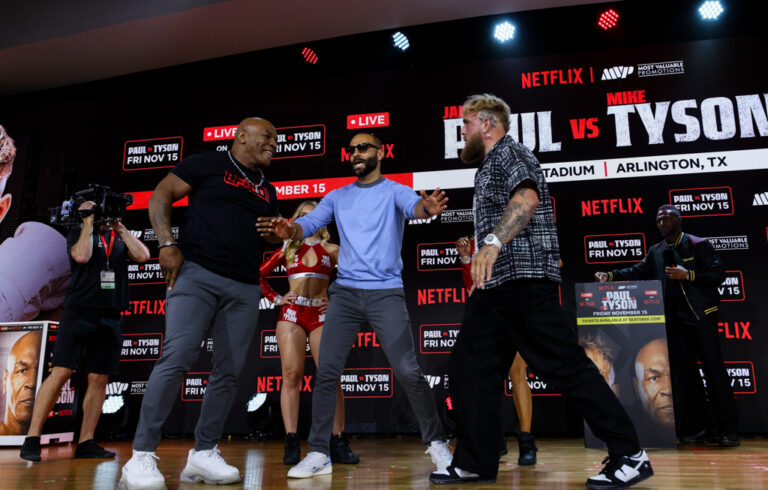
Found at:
[516, 216]
[168, 191]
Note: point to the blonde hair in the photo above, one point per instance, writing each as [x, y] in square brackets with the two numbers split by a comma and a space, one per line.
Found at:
[7, 153]
[292, 246]
[488, 106]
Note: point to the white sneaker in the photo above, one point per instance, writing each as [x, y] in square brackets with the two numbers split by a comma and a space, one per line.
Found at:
[210, 467]
[141, 472]
[622, 472]
[441, 454]
[313, 464]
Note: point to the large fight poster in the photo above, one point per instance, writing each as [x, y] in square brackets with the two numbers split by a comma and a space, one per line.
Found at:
[618, 132]
[621, 328]
[25, 357]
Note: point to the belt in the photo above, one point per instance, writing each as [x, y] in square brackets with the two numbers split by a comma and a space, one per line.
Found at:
[303, 301]
[315, 275]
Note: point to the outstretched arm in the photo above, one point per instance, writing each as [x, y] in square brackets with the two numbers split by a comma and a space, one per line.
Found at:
[431, 205]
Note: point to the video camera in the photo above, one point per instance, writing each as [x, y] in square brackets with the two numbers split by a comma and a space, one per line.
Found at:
[110, 206]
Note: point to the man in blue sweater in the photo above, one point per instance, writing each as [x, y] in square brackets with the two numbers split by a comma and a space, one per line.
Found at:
[370, 215]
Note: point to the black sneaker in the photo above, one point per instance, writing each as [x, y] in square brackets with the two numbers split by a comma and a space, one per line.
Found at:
[729, 440]
[89, 449]
[700, 438]
[340, 451]
[527, 446]
[622, 472]
[292, 449]
[453, 475]
[30, 450]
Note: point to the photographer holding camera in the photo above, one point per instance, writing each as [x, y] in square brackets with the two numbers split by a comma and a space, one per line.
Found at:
[98, 251]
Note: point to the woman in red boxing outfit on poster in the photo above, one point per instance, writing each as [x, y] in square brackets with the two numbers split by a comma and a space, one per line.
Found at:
[517, 373]
[309, 264]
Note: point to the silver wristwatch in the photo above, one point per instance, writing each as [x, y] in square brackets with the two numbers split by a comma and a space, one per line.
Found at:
[491, 239]
[166, 244]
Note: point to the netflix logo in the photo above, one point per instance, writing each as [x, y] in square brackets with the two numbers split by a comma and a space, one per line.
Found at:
[702, 201]
[145, 307]
[595, 207]
[568, 76]
[434, 296]
[606, 249]
[269, 384]
[373, 120]
[734, 330]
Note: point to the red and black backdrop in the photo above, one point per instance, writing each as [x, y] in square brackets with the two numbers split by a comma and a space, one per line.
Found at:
[661, 113]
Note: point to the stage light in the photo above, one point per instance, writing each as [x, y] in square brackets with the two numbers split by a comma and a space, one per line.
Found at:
[504, 31]
[259, 414]
[401, 41]
[608, 19]
[114, 418]
[711, 10]
[309, 56]
[113, 404]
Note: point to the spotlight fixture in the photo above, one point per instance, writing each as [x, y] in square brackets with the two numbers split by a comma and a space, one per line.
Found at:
[504, 31]
[113, 404]
[711, 10]
[309, 56]
[401, 41]
[608, 19]
[259, 414]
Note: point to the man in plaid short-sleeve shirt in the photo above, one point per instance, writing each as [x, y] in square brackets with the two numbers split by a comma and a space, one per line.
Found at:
[514, 306]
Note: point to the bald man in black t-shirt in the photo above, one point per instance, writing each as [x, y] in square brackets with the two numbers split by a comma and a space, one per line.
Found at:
[212, 275]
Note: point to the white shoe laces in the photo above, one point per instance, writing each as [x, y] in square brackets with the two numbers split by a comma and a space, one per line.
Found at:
[440, 451]
[214, 454]
[147, 461]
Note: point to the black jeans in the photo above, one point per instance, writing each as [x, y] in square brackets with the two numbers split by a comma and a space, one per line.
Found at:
[523, 315]
[690, 340]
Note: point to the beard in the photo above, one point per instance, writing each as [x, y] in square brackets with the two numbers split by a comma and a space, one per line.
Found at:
[474, 149]
[370, 166]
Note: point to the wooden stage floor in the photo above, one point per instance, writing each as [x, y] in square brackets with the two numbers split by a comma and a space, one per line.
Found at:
[397, 462]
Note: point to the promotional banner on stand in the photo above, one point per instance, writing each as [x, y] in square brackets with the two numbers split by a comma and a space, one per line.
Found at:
[621, 327]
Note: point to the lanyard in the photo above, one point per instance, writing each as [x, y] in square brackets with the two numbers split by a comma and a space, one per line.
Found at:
[108, 249]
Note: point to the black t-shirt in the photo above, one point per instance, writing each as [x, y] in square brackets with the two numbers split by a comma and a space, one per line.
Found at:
[85, 287]
[219, 232]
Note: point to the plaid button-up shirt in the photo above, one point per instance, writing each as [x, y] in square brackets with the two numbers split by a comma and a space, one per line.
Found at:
[534, 253]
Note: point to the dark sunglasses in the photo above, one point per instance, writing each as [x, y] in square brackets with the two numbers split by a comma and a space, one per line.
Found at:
[363, 147]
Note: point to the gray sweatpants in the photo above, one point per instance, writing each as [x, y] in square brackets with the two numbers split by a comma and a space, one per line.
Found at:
[200, 299]
[385, 311]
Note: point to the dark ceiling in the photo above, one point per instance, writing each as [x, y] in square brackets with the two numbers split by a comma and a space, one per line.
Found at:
[51, 43]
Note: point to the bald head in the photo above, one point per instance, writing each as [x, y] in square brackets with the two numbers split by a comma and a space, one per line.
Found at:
[255, 142]
[653, 381]
[20, 379]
